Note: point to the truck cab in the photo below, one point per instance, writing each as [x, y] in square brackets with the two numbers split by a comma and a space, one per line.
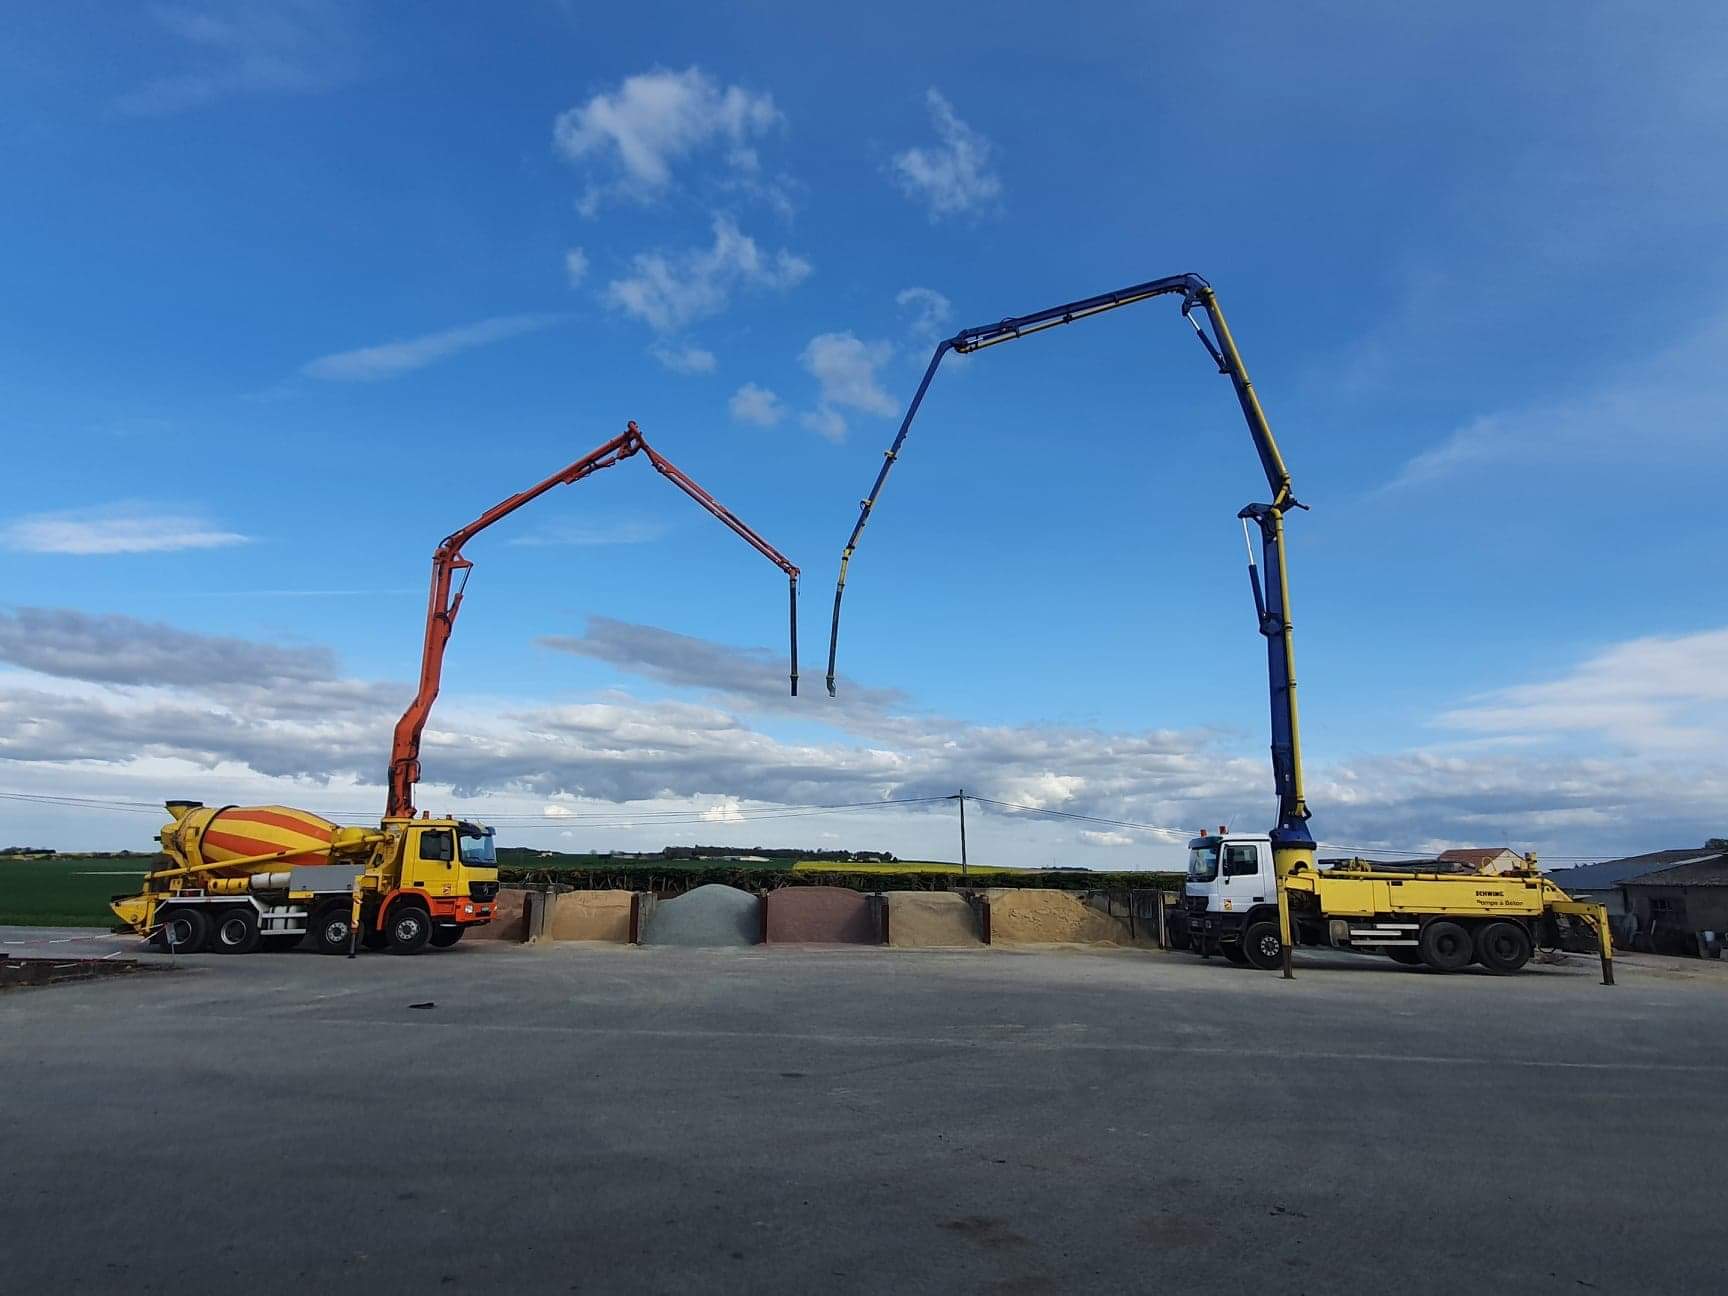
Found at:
[1231, 898]
[445, 877]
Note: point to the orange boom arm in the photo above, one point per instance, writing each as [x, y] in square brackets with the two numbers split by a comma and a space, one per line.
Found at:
[446, 595]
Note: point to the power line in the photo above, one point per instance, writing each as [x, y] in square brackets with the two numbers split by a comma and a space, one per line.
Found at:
[1180, 833]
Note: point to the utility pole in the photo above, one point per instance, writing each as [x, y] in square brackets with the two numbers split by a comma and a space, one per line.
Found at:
[962, 799]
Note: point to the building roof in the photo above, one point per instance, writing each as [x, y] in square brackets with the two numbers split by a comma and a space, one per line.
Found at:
[1477, 855]
[1612, 873]
[1710, 869]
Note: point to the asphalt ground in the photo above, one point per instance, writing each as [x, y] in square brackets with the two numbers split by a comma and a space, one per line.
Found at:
[609, 1119]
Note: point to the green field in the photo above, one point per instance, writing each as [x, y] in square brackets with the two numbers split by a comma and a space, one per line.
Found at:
[66, 891]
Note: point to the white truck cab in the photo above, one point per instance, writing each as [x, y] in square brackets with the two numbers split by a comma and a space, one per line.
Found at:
[1231, 898]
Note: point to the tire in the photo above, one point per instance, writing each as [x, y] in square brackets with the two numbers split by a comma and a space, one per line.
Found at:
[235, 930]
[1235, 953]
[1446, 946]
[409, 928]
[191, 930]
[372, 938]
[1262, 946]
[445, 937]
[1408, 955]
[333, 929]
[1503, 947]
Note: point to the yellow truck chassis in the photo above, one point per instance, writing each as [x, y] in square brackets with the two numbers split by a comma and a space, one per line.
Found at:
[1423, 913]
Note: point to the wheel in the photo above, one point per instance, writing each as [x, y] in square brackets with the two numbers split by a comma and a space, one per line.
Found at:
[1446, 946]
[372, 938]
[183, 931]
[409, 927]
[333, 929]
[1503, 947]
[1408, 955]
[1262, 946]
[235, 931]
[1234, 953]
[445, 937]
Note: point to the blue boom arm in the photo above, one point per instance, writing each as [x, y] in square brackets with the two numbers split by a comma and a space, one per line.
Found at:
[1292, 842]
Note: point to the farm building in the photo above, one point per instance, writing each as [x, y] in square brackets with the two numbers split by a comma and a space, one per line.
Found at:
[1484, 859]
[1683, 908]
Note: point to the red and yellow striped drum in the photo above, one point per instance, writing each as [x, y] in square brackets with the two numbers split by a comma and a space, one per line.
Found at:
[213, 835]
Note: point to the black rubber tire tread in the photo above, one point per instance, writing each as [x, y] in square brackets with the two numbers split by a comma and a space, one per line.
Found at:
[321, 929]
[1235, 953]
[235, 930]
[1260, 953]
[1446, 946]
[373, 939]
[1503, 947]
[196, 919]
[396, 924]
[1408, 955]
[445, 937]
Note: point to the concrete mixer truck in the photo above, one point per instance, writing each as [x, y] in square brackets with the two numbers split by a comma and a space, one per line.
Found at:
[242, 878]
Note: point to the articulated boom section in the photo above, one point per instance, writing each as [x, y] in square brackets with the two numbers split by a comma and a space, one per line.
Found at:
[445, 600]
[1292, 843]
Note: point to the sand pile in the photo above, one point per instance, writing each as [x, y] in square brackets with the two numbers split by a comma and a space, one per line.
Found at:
[509, 919]
[927, 919]
[590, 916]
[821, 915]
[709, 915]
[1031, 916]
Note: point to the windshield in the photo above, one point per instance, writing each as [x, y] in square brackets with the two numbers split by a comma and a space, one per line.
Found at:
[477, 846]
[1202, 863]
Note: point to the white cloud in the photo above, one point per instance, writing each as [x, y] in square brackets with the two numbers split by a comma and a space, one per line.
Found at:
[1091, 837]
[726, 810]
[1671, 401]
[247, 47]
[1657, 693]
[825, 422]
[929, 310]
[114, 529]
[118, 707]
[669, 291]
[954, 177]
[653, 121]
[684, 358]
[844, 367]
[392, 359]
[757, 405]
[552, 810]
[575, 266]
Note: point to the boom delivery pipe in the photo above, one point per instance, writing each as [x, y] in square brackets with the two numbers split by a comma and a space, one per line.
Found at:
[445, 600]
[1292, 842]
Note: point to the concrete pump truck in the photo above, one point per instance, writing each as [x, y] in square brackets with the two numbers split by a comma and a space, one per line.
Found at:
[1251, 896]
[242, 878]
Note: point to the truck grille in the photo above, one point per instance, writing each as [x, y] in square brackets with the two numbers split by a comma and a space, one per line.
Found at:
[482, 890]
[1194, 904]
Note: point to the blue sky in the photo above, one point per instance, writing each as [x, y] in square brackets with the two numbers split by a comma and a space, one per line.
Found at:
[295, 289]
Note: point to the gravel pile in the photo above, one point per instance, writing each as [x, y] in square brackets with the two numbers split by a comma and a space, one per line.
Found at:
[1038, 917]
[931, 919]
[590, 916]
[821, 915]
[509, 921]
[710, 915]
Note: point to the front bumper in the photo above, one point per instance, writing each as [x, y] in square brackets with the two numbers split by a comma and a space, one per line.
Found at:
[1215, 928]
